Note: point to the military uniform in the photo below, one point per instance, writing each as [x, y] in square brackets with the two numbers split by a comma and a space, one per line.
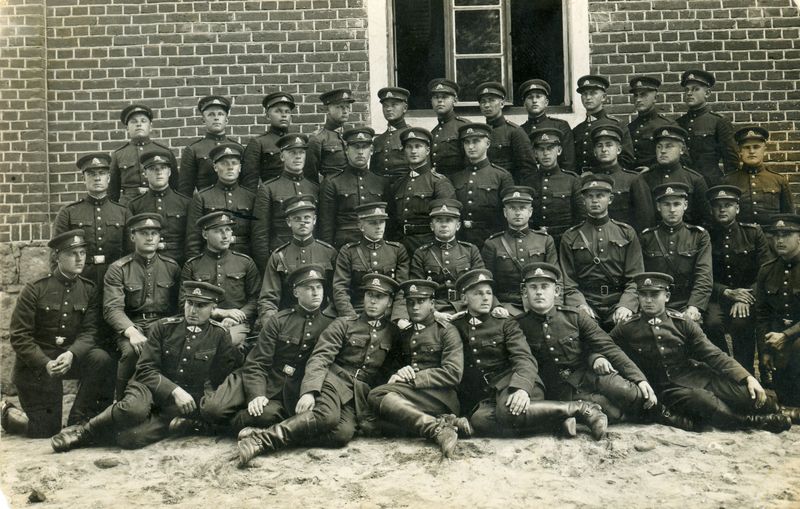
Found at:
[447, 154]
[622, 208]
[197, 168]
[338, 198]
[262, 157]
[567, 158]
[233, 198]
[645, 124]
[584, 148]
[326, 146]
[174, 210]
[764, 193]
[388, 159]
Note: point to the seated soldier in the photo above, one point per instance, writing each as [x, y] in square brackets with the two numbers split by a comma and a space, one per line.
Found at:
[346, 362]
[691, 376]
[501, 391]
[52, 331]
[185, 357]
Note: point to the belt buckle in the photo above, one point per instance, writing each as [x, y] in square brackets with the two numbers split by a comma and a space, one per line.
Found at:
[60, 340]
[467, 224]
[565, 373]
[604, 290]
[596, 260]
[288, 370]
[99, 259]
[452, 294]
[142, 190]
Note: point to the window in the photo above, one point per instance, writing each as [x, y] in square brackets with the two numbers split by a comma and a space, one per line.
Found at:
[471, 41]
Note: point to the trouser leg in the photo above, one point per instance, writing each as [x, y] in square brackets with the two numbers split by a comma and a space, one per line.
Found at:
[787, 377]
[221, 405]
[96, 373]
[40, 397]
[126, 366]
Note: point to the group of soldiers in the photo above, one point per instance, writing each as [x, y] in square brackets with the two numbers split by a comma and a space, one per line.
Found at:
[480, 278]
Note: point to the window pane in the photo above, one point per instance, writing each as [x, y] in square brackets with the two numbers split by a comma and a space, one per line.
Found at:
[461, 3]
[419, 42]
[477, 31]
[537, 45]
[471, 72]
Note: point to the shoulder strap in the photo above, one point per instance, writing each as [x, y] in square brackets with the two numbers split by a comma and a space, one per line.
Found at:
[664, 252]
[361, 257]
[508, 251]
[445, 270]
[596, 260]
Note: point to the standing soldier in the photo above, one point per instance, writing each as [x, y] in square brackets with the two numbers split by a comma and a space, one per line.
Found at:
[765, 192]
[599, 258]
[556, 195]
[593, 96]
[738, 250]
[510, 147]
[421, 396]
[197, 167]
[343, 192]
[326, 147]
[303, 249]
[53, 330]
[681, 250]
[369, 255]
[607, 148]
[388, 159]
[536, 97]
[507, 253]
[411, 194]
[140, 288]
[710, 135]
[270, 228]
[235, 272]
[163, 200]
[644, 90]
[262, 157]
[225, 194]
[447, 154]
[479, 186]
[128, 179]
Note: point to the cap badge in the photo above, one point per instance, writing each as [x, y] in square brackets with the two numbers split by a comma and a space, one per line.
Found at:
[664, 133]
[515, 195]
[159, 159]
[378, 210]
[284, 98]
[302, 203]
[545, 137]
[389, 94]
[376, 282]
[216, 101]
[444, 208]
[345, 95]
[722, 194]
[96, 161]
[538, 272]
[638, 83]
[470, 131]
[751, 133]
[593, 184]
[76, 239]
[780, 224]
[668, 191]
[313, 273]
[648, 282]
[690, 77]
[412, 288]
[149, 222]
[361, 136]
[197, 291]
[481, 277]
[438, 87]
[228, 151]
[224, 217]
[412, 135]
[485, 91]
[604, 132]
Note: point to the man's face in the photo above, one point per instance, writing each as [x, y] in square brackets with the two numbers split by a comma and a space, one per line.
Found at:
[97, 180]
[416, 152]
[219, 239]
[479, 298]
[419, 308]
[445, 227]
[294, 159]
[476, 147]
[593, 99]
[216, 119]
[671, 209]
[517, 214]
[197, 312]
[752, 152]
[138, 126]
[724, 211]
[145, 240]
[376, 304]
[597, 202]
[443, 104]
[695, 95]
[302, 223]
[644, 100]
[541, 294]
[653, 302]
[228, 169]
[536, 103]
[668, 151]
[547, 155]
[787, 244]
[372, 228]
[491, 106]
[310, 294]
[607, 150]
[339, 112]
[393, 109]
[158, 176]
[358, 154]
[72, 261]
[279, 115]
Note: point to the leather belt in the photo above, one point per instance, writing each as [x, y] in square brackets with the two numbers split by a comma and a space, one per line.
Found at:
[147, 316]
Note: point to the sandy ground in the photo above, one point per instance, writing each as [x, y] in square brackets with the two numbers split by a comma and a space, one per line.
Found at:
[634, 466]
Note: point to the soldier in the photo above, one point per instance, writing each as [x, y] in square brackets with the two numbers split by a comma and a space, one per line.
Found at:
[347, 360]
[508, 252]
[185, 357]
[479, 186]
[447, 153]
[738, 250]
[501, 391]
[326, 146]
[128, 179]
[535, 95]
[556, 195]
[162, 199]
[270, 228]
[225, 194]
[765, 192]
[52, 331]
[599, 258]
[369, 255]
[593, 95]
[670, 146]
[692, 377]
[343, 192]
[140, 288]
[302, 250]
[388, 158]
[710, 135]
[410, 195]
[510, 147]
[197, 166]
[644, 90]
[607, 148]
[262, 158]
[235, 272]
[102, 220]
[420, 397]
[681, 250]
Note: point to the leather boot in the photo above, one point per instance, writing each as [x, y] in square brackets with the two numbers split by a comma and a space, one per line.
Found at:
[775, 423]
[570, 427]
[662, 415]
[13, 420]
[461, 424]
[180, 426]
[278, 436]
[792, 412]
[402, 412]
[548, 415]
[591, 414]
[82, 434]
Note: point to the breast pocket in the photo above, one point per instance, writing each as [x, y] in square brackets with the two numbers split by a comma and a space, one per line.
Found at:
[166, 294]
[486, 195]
[134, 296]
[768, 197]
[234, 288]
[580, 253]
[129, 171]
[685, 260]
[358, 341]
[570, 346]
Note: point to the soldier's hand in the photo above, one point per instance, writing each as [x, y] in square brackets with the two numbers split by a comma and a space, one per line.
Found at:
[403, 324]
[184, 401]
[500, 312]
[518, 402]
[776, 340]
[407, 374]
[63, 363]
[768, 362]
[757, 392]
[588, 310]
[229, 322]
[256, 405]
[136, 338]
[648, 394]
[236, 314]
[393, 379]
[621, 314]
[443, 316]
[305, 403]
[744, 295]
[740, 310]
[692, 313]
[603, 367]
[51, 367]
